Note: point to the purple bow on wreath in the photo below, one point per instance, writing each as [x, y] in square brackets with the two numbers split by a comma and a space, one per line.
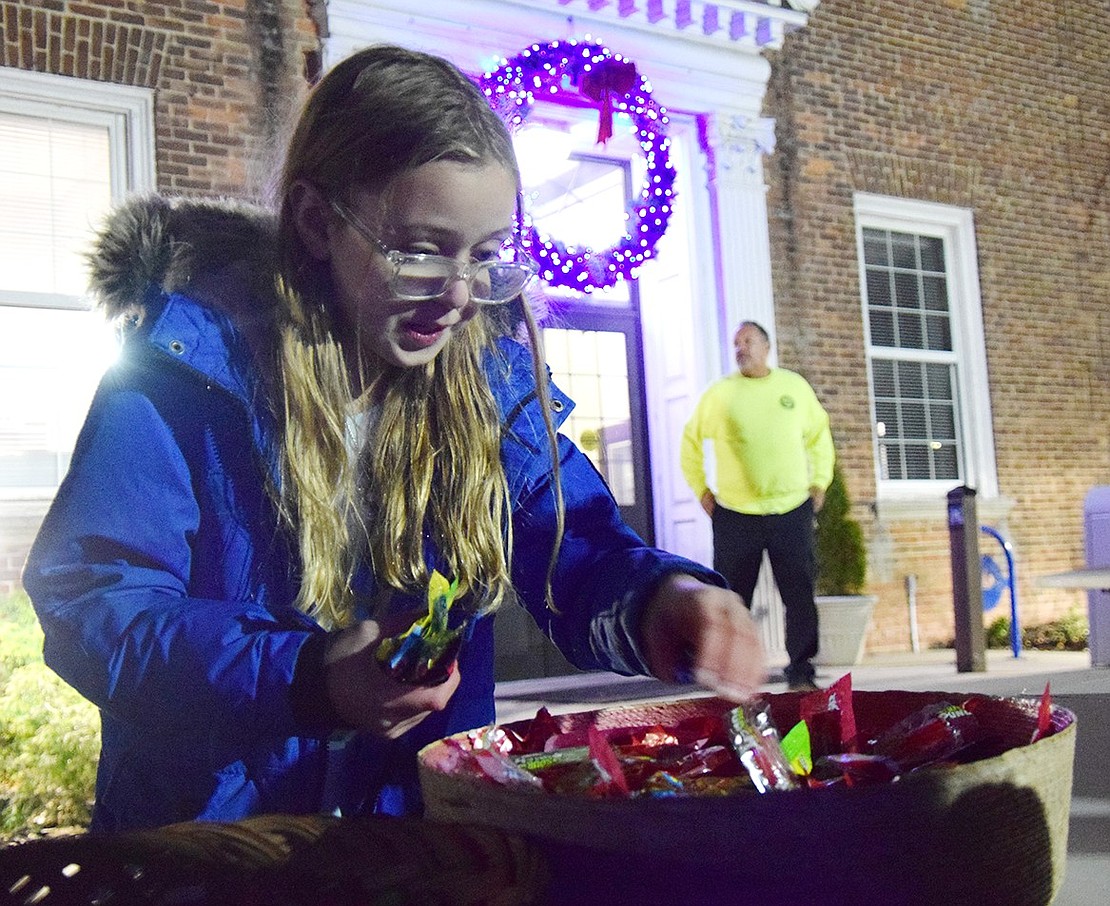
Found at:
[606, 78]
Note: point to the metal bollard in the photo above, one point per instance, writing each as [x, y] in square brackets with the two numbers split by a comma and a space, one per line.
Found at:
[967, 581]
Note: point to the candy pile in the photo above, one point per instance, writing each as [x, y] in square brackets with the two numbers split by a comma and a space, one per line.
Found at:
[741, 749]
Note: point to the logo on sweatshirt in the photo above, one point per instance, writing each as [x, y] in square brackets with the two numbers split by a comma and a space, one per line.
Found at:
[787, 402]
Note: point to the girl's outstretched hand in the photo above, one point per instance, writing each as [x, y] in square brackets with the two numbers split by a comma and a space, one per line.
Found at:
[364, 695]
[691, 630]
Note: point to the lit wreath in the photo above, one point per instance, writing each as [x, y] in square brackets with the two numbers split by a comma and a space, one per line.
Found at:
[610, 80]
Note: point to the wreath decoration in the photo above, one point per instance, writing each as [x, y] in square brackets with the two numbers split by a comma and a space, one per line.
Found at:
[590, 70]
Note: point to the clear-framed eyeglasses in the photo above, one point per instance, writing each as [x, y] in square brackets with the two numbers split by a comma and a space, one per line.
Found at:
[419, 277]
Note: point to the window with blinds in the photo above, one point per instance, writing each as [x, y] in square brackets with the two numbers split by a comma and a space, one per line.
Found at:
[68, 150]
[54, 184]
[914, 395]
[925, 347]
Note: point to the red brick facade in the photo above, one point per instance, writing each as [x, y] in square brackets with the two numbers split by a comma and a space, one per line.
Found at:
[224, 74]
[1005, 110]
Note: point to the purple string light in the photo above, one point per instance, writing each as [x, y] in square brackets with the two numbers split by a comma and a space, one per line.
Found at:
[548, 70]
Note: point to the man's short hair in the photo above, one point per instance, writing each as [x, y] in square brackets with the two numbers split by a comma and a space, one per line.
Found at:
[766, 336]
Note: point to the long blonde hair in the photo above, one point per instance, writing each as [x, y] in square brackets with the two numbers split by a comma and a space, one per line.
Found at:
[431, 469]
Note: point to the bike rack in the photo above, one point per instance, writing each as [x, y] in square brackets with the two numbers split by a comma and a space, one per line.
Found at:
[992, 593]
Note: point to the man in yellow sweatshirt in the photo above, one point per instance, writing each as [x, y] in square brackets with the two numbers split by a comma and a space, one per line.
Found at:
[774, 459]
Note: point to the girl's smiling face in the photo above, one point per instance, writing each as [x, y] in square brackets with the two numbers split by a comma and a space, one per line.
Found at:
[462, 211]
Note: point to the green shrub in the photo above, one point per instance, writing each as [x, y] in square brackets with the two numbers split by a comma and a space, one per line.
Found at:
[838, 541]
[1067, 633]
[49, 734]
[20, 638]
[998, 633]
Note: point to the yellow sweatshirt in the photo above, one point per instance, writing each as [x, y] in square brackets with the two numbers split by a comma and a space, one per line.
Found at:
[771, 442]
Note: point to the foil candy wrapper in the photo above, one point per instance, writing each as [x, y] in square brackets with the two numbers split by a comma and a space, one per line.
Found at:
[755, 740]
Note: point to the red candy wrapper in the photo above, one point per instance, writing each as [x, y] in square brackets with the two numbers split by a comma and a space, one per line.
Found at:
[832, 722]
[936, 732]
[607, 763]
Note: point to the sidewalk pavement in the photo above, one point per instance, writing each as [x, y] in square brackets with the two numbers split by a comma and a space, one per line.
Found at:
[1073, 683]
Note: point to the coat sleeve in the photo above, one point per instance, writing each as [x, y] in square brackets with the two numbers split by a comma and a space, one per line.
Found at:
[147, 588]
[604, 574]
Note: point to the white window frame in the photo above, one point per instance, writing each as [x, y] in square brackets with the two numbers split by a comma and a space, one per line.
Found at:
[125, 111]
[955, 226]
[127, 114]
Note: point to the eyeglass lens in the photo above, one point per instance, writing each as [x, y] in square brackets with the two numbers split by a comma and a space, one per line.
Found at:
[430, 277]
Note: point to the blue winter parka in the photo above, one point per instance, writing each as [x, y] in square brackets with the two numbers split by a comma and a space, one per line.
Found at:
[164, 579]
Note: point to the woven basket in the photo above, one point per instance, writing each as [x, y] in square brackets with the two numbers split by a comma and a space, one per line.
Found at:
[988, 832]
[278, 860]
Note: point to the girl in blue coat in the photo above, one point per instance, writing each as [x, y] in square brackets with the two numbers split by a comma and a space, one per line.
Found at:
[311, 414]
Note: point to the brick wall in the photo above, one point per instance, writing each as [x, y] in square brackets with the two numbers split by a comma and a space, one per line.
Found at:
[225, 77]
[984, 106]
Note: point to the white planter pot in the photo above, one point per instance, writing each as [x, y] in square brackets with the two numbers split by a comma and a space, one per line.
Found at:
[842, 628]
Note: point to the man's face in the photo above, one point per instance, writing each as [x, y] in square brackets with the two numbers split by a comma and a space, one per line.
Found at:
[751, 351]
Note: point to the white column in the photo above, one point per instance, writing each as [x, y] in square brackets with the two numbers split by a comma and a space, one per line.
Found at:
[738, 144]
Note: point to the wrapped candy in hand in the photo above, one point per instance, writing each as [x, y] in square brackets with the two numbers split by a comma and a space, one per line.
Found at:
[424, 654]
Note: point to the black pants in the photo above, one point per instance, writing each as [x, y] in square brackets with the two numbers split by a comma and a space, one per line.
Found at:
[739, 541]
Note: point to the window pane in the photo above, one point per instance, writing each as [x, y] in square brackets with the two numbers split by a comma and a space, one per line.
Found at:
[890, 466]
[910, 380]
[878, 288]
[592, 366]
[938, 333]
[909, 330]
[875, 247]
[932, 253]
[913, 286]
[935, 293]
[572, 194]
[906, 293]
[882, 328]
[917, 461]
[942, 422]
[939, 378]
[904, 249]
[50, 361]
[915, 420]
[946, 462]
[882, 371]
[886, 412]
[55, 186]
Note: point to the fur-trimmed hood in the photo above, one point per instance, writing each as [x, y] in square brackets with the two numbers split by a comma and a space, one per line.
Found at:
[222, 252]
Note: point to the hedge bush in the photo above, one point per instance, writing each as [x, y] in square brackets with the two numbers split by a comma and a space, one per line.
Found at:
[49, 734]
[1067, 633]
